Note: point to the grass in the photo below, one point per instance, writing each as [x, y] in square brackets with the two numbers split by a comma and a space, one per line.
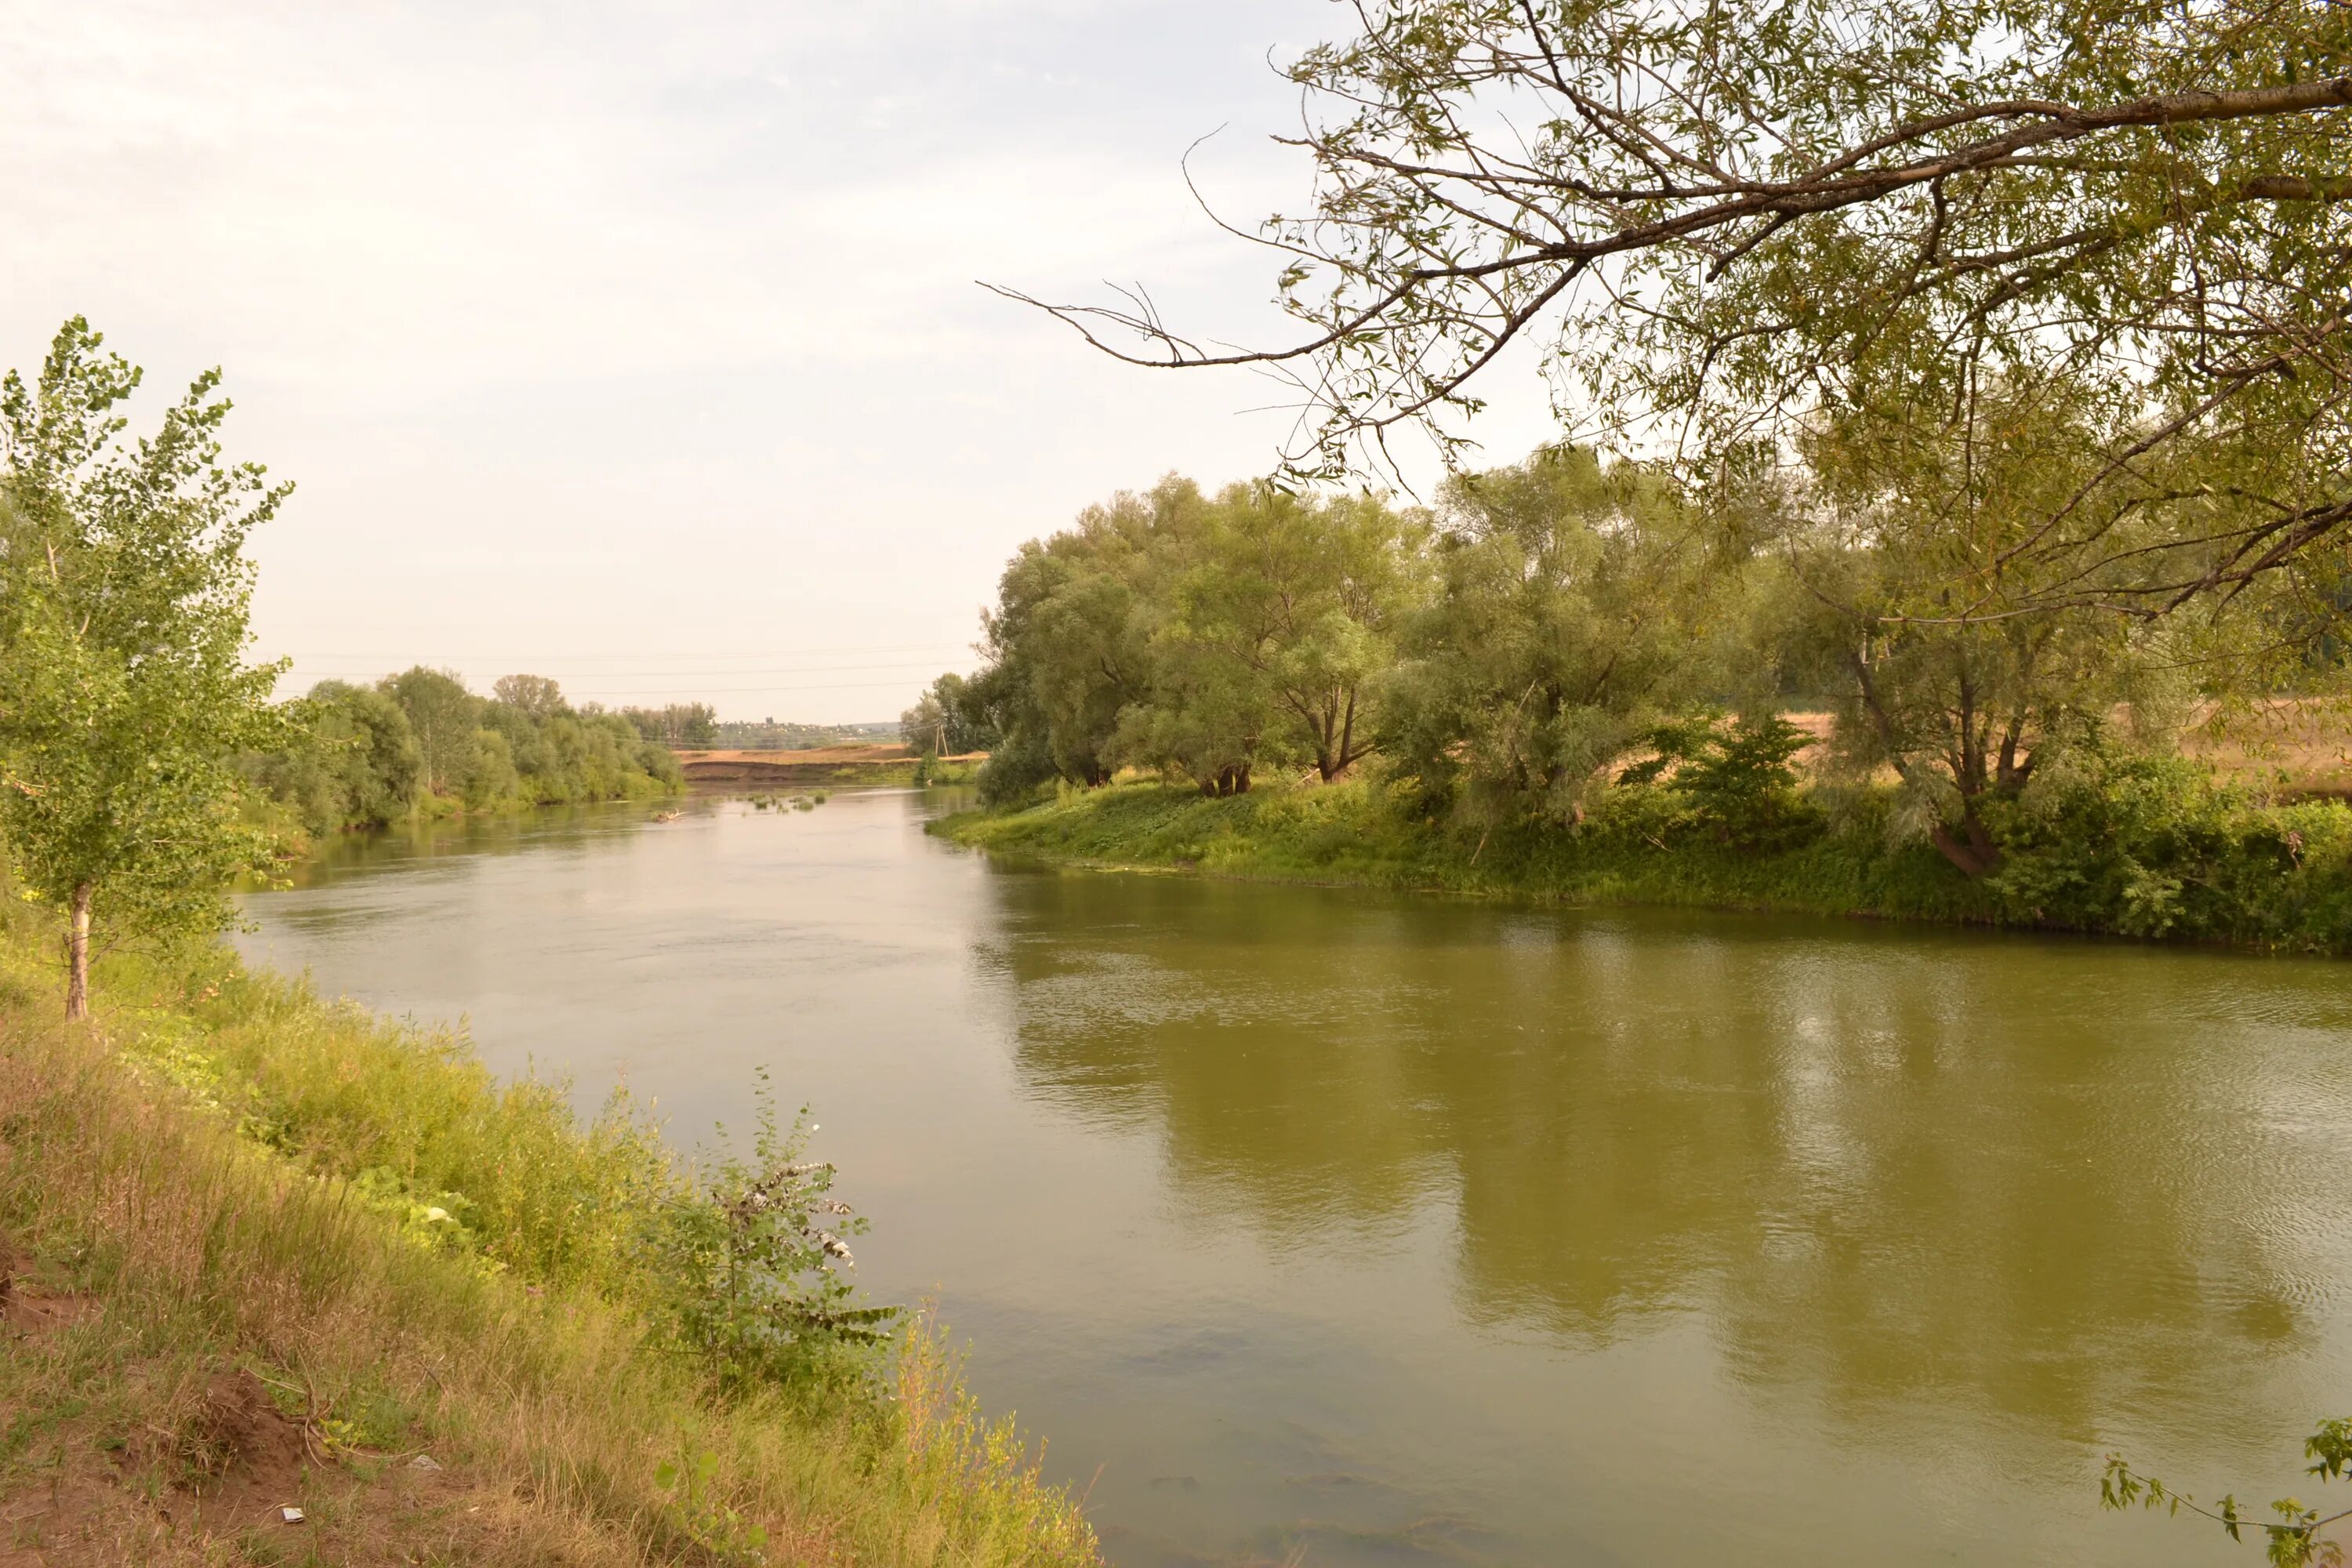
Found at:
[224, 1189]
[2144, 848]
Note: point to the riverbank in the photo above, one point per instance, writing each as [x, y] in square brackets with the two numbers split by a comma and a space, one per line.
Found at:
[2143, 847]
[264, 1252]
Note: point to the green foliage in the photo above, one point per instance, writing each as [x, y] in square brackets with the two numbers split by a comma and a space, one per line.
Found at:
[1501, 661]
[124, 696]
[949, 720]
[363, 757]
[242, 1175]
[708, 1520]
[753, 1289]
[1718, 223]
[1737, 779]
[1565, 621]
[735, 1266]
[2294, 1542]
[2136, 846]
[352, 760]
[692, 726]
[443, 715]
[2152, 846]
[1206, 637]
[767, 735]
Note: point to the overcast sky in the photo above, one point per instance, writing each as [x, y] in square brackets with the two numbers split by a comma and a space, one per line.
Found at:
[637, 346]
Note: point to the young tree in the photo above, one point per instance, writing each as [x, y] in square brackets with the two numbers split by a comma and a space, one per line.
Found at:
[124, 696]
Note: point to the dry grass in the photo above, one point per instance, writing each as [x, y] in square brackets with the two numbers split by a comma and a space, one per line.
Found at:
[2289, 747]
[161, 1253]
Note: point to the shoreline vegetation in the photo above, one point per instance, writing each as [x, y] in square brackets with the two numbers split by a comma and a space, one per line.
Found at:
[420, 745]
[2136, 846]
[1580, 678]
[264, 1250]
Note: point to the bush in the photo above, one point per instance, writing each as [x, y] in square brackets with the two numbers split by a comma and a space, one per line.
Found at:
[1737, 780]
[2151, 846]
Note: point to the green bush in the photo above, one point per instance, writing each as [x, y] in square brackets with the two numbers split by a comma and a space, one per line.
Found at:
[2154, 846]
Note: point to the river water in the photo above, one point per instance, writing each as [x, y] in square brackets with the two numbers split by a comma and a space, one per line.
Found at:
[1353, 1228]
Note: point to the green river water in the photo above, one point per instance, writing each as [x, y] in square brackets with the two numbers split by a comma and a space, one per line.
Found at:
[1351, 1229]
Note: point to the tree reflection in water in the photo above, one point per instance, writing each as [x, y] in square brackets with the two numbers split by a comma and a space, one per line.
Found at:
[2012, 1178]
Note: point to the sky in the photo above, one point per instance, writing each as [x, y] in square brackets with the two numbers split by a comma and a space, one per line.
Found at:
[639, 345]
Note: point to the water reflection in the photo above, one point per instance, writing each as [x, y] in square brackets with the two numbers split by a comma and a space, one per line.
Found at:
[2063, 1183]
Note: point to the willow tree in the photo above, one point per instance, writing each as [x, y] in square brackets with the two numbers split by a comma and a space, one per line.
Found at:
[1270, 621]
[124, 693]
[1567, 619]
[1710, 220]
[1965, 683]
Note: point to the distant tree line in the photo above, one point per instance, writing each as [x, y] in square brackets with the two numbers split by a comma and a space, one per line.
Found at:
[767, 735]
[691, 725]
[365, 756]
[1545, 629]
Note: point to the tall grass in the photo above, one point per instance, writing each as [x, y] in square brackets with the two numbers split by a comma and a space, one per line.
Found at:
[233, 1173]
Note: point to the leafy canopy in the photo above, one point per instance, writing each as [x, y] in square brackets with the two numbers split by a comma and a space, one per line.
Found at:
[124, 696]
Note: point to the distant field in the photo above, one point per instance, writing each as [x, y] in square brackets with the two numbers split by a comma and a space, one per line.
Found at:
[818, 764]
[2302, 745]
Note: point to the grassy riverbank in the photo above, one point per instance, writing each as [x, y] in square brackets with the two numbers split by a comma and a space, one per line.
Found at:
[266, 1251]
[2141, 847]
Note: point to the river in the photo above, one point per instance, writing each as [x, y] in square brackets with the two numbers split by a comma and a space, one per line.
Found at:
[1384, 1230]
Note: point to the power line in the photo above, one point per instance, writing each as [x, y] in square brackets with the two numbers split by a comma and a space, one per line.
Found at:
[664, 674]
[609, 656]
[702, 691]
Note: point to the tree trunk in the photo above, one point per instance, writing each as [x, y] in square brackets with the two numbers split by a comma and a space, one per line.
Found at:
[1972, 848]
[78, 955]
[1330, 766]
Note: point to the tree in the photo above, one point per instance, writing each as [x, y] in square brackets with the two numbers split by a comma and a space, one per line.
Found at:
[925, 725]
[1715, 220]
[692, 725]
[352, 760]
[2292, 1541]
[124, 696]
[1069, 636]
[534, 694]
[1563, 625]
[1281, 610]
[949, 720]
[1948, 661]
[444, 715]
